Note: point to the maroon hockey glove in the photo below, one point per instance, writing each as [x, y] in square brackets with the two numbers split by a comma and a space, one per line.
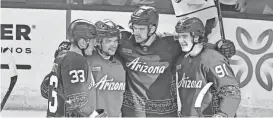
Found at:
[226, 48]
[65, 45]
[44, 86]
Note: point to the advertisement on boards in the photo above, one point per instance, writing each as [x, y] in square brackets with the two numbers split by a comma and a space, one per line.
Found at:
[30, 37]
[253, 62]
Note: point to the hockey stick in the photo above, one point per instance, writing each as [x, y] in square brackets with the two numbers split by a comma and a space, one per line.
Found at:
[199, 99]
[11, 86]
[220, 18]
[13, 81]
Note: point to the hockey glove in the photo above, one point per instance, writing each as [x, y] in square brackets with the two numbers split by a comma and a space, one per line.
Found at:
[65, 45]
[226, 48]
[44, 86]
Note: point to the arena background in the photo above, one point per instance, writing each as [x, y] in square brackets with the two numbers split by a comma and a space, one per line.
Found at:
[32, 31]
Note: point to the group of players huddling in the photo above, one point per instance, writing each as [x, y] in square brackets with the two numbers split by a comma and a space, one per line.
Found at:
[105, 71]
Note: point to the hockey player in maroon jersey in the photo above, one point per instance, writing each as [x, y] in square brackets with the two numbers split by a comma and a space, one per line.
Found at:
[68, 93]
[150, 65]
[107, 70]
[149, 62]
[199, 67]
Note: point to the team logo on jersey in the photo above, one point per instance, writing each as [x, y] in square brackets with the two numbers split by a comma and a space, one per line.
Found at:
[77, 100]
[109, 84]
[185, 82]
[151, 68]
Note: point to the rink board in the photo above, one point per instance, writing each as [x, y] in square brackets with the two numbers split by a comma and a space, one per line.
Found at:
[45, 29]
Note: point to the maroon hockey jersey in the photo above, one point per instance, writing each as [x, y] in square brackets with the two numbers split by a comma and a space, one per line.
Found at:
[69, 82]
[150, 87]
[109, 83]
[195, 72]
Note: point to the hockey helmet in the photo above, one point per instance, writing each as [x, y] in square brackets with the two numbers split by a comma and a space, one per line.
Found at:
[107, 28]
[81, 28]
[144, 15]
[192, 25]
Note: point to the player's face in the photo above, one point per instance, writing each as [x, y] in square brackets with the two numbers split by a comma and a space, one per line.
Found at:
[140, 32]
[109, 45]
[90, 48]
[186, 41]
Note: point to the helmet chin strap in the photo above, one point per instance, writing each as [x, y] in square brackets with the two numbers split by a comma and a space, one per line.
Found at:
[83, 50]
[103, 53]
[148, 36]
[191, 48]
[194, 43]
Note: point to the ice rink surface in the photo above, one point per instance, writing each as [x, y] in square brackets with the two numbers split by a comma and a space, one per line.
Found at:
[20, 113]
[30, 113]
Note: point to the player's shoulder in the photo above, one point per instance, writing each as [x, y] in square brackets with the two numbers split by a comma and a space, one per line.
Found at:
[125, 35]
[73, 59]
[61, 56]
[168, 39]
[210, 56]
[169, 42]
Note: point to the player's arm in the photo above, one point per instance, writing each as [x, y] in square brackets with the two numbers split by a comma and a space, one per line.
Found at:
[220, 73]
[124, 36]
[44, 87]
[65, 45]
[74, 73]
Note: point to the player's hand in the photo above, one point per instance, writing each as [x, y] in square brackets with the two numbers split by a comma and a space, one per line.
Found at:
[44, 86]
[226, 48]
[65, 45]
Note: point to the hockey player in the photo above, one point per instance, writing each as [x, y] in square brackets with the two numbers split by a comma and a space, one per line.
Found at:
[107, 70]
[68, 93]
[150, 65]
[199, 67]
[149, 62]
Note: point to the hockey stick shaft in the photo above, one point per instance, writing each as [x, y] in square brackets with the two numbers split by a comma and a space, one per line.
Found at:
[11, 86]
[13, 77]
[220, 18]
